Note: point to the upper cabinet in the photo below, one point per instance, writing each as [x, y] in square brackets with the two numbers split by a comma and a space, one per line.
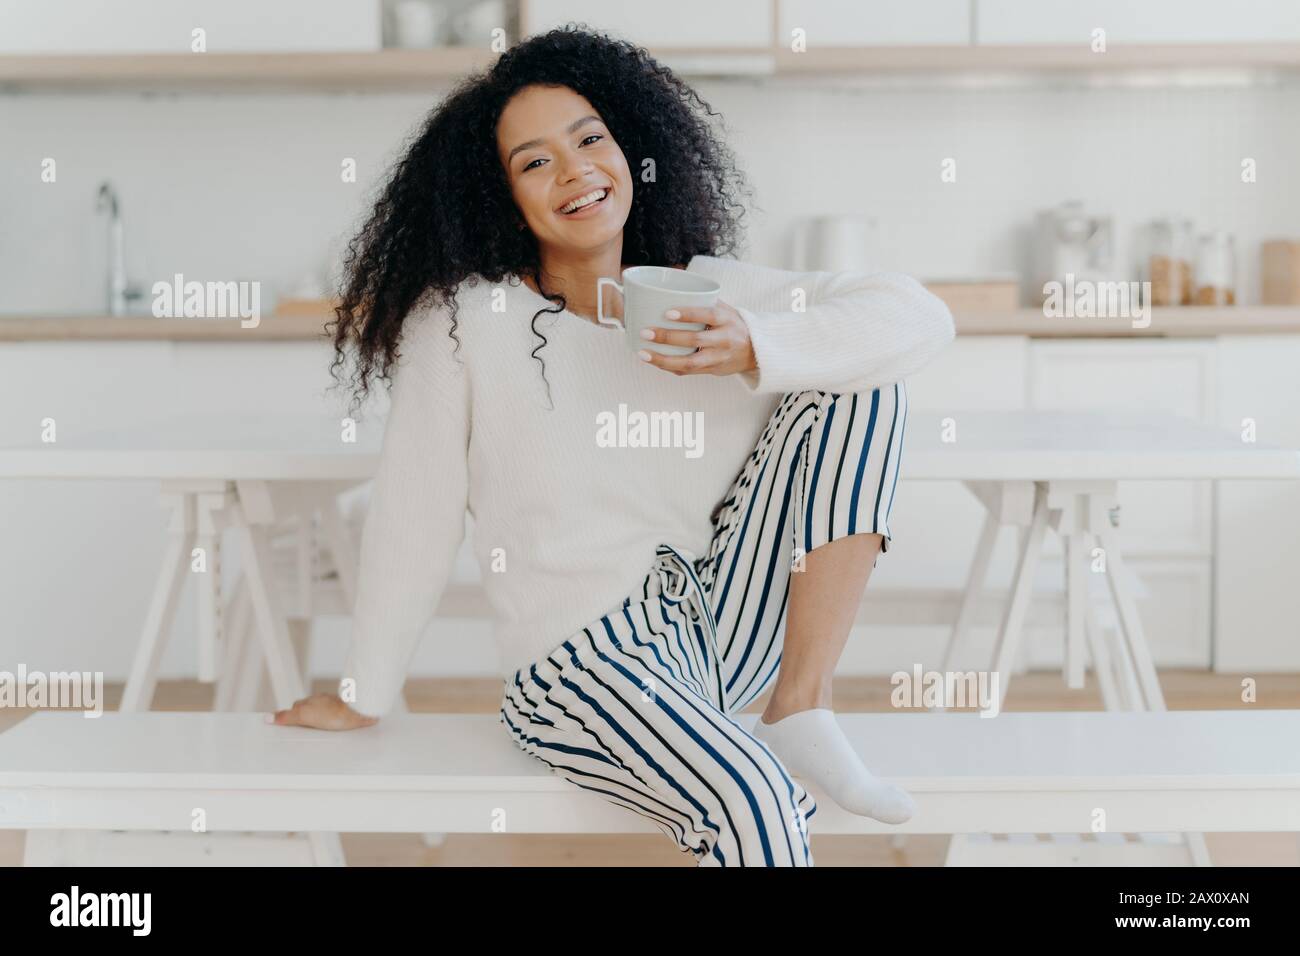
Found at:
[318, 45]
[726, 24]
[169, 26]
[842, 23]
[1136, 21]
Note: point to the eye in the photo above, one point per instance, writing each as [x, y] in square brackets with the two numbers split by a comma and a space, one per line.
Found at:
[592, 136]
[530, 165]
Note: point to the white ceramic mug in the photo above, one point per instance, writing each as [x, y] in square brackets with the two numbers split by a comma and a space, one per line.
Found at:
[649, 292]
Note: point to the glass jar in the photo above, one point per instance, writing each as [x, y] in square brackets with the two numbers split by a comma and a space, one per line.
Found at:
[1162, 270]
[1185, 253]
[1216, 269]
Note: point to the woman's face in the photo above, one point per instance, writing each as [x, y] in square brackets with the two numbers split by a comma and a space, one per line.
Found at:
[555, 149]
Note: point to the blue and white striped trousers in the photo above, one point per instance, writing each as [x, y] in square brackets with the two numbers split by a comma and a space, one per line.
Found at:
[637, 705]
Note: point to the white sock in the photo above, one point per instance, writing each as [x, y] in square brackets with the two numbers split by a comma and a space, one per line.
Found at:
[812, 745]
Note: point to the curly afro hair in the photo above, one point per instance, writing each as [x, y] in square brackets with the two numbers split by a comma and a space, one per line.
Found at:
[446, 213]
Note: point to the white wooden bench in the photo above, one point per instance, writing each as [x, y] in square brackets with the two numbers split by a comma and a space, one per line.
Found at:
[1053, 772]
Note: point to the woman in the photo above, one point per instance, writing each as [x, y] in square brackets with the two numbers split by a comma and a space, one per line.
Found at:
[643, 594]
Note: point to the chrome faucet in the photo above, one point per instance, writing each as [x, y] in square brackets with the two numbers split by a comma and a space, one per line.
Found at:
[120, 291]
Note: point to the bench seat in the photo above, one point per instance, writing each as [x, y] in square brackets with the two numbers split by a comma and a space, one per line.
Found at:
[1171, 771]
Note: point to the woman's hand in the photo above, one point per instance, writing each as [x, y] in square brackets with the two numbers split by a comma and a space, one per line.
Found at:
[323, 712]
[724, 347]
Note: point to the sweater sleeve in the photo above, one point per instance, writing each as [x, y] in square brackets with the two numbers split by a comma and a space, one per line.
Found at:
[416, 518]
[858, 332]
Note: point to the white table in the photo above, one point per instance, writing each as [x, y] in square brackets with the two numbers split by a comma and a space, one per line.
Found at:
[216, 472]
[1036, 469]
[1084, 446]
[1030, 469]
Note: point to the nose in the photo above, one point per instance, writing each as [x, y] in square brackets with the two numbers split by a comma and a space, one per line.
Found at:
[575, 166]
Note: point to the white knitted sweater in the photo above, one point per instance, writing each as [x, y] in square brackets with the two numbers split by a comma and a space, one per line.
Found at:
[569, 503]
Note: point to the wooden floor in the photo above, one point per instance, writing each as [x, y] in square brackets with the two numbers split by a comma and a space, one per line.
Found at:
[1184, 690]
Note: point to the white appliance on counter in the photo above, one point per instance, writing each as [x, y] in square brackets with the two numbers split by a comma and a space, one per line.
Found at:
[835, 243]
[1068, 240]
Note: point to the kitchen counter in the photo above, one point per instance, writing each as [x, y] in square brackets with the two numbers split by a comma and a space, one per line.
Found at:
[1176, 322]
[112, 328]
[1190, 321]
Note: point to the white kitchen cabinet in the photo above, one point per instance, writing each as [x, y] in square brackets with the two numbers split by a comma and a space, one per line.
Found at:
[1125, 21]
[165, 26]
[975, 372]
[1257, 546]
[666, 23]
[877, 22]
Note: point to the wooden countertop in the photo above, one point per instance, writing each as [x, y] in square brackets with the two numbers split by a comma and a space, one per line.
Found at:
[1189, 321]
[416, 70]
[1177, 322]
[116, 328]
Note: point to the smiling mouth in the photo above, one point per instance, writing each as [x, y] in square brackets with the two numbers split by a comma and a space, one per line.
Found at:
[570, 210]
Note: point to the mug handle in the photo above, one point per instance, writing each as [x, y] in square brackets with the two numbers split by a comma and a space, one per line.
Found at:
[601, 317]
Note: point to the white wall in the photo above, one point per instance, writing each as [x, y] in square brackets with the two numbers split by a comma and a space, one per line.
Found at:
[236, 187]
[249, 187]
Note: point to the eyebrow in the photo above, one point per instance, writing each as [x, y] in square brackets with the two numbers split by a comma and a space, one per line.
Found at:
[573, 128]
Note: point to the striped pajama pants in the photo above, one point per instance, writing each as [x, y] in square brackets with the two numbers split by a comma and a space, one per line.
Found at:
[637, 706]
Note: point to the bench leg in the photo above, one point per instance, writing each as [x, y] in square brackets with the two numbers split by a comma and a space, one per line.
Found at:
[326, 849]
[968, 849]
[1200, 853]
[44, 847]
